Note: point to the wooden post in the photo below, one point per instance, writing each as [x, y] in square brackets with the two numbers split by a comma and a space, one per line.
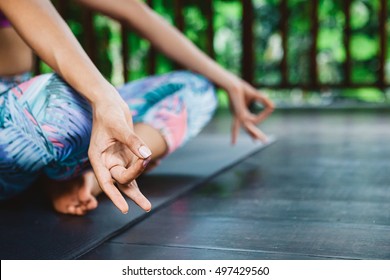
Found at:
[210, 28]
[125, 53]
[248, 59]
[152, 53]
[314, 44]
[347, 42]
[284, 33]
[383, 44]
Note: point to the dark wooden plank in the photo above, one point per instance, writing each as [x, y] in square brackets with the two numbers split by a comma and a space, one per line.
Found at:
[326, 86]
[283, 9]
[118, 251]
[247, 62]
[227, 204]
[152, 53]
[37, 65]
[347, 41]
[321, 192]
[303, 238]
[179, 21]
[383, 42]
[89, 34]
[179, 16]
[314, 43]
[125, 53]
[210, 28]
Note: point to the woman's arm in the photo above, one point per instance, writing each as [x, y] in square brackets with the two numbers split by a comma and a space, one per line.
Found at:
[163, 36]
[171, 42]
[43, 29]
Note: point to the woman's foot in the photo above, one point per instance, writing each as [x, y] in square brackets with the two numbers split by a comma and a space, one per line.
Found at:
[76, 196]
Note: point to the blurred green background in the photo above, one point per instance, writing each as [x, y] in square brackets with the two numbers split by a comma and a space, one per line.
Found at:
[268, 46]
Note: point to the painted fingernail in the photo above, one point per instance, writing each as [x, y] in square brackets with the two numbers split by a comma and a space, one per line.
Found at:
[144, 151]
[146, 162]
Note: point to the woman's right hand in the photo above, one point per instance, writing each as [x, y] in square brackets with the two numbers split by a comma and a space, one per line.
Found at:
[117, 155]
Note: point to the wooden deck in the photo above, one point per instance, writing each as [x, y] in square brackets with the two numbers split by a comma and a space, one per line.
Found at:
[322, 191]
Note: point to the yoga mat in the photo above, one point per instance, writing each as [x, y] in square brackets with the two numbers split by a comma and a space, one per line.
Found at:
[30, 229]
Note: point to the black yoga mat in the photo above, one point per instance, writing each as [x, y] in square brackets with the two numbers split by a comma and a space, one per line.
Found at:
[30, 229]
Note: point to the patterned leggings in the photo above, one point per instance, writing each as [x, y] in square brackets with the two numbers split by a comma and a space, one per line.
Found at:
[45, 126]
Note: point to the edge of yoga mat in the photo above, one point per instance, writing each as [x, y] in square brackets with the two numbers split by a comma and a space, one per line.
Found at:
[29, 229]
[192, 186]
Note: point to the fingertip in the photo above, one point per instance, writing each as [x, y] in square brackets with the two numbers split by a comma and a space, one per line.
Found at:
[125, 211]
[120, 203]
[234, 139]
[147, 207]
[146, 162]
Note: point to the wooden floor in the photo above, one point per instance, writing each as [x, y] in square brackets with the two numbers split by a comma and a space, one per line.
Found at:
[322, 191]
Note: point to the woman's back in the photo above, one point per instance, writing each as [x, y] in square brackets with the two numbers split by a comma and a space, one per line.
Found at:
[15, 56]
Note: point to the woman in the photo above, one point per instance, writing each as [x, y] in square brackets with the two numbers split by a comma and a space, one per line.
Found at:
[56, 127]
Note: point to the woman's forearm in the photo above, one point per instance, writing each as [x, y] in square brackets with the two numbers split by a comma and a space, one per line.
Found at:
[47, 34]
[164, 37]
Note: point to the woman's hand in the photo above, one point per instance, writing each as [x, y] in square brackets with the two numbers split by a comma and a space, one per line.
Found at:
[116, 154]
[242, 95]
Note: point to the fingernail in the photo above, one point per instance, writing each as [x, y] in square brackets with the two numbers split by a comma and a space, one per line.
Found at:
[144, 151]
[146, 162]
[124, 213]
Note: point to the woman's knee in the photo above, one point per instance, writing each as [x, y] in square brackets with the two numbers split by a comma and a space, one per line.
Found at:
[183, 115]
[68, 124]
[196, 90]
[60, 119]
[44, 126]
[199, 97]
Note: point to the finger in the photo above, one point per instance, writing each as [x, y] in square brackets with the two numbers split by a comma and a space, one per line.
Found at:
[263, 115]
[133, 192]
[124, 175]
[255, 132]
[135, 144]
[268, 107]
[105, 181]
[235, 130]
[265, 100]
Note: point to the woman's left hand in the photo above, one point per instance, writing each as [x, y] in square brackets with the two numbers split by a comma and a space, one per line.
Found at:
[118, 156]
[242, 95]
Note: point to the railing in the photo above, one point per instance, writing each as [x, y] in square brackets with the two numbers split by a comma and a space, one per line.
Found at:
[248, 61]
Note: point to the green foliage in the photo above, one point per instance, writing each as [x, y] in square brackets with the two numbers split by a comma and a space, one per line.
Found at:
[364, 48]
[364, 94]
[227, 24]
